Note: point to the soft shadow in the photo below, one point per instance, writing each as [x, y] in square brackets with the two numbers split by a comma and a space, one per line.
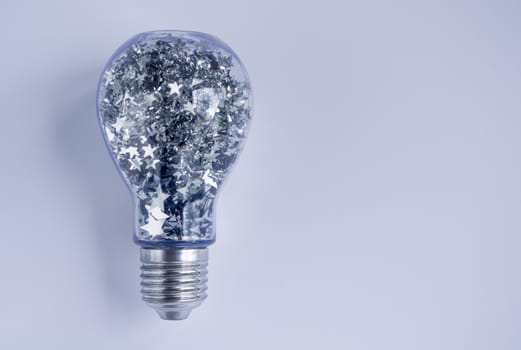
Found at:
[81, 147]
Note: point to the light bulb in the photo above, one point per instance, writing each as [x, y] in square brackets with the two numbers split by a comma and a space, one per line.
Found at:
[174, 109]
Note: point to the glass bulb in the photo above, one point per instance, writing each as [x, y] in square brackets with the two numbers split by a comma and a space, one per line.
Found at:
[174, 109]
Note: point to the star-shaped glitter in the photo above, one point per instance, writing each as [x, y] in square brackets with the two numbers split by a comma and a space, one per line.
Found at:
[154, 227]
[158, 214]
[150, 99]
[131, 151]
[212, 155]
[148, 151]
[120, 124]
[159, 200]
[150, 163]
[174, 88]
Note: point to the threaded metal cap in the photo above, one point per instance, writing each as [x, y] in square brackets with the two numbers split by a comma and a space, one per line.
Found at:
[173, 281]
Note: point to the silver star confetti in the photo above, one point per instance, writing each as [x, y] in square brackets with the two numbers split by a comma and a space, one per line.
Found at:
[174, 108]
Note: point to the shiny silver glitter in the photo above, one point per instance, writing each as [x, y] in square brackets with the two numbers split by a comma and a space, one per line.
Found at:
[174, 109]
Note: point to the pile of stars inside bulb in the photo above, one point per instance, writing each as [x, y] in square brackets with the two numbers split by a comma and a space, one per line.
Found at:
[175, 117]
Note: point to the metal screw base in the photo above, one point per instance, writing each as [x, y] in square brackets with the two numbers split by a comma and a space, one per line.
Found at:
[173, 281]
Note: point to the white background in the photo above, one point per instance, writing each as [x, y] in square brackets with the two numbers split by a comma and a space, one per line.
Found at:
[376, 205]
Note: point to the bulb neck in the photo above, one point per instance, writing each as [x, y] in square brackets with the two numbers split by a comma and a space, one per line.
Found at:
[174, 280]
[166, 218]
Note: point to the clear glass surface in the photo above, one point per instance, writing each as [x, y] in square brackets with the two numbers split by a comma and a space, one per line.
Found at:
[174, 109]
